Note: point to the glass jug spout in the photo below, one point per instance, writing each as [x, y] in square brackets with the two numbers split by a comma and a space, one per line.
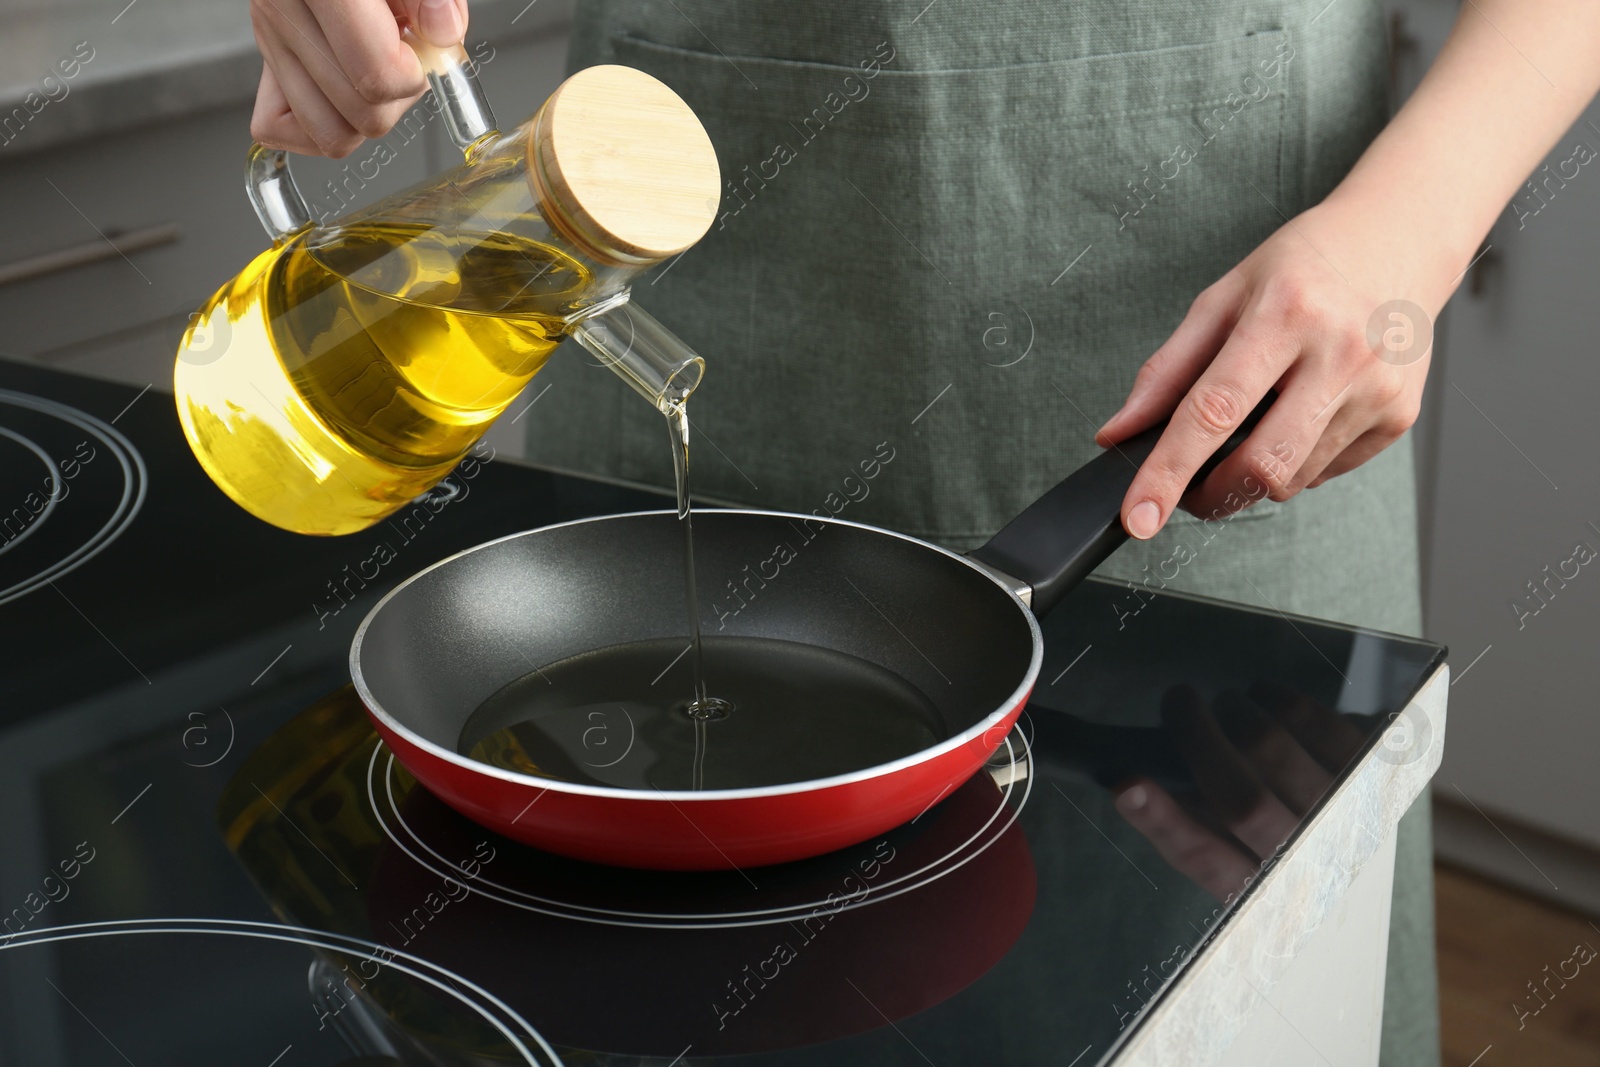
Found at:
[644, 353]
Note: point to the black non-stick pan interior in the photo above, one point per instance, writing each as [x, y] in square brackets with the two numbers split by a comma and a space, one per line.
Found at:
[452, 636]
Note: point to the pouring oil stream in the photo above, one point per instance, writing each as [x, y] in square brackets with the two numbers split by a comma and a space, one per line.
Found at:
[702, 708]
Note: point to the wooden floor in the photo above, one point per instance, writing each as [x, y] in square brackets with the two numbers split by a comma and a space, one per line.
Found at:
[1492, 943]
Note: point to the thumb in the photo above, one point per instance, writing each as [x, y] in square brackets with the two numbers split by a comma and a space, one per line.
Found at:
[439, 22]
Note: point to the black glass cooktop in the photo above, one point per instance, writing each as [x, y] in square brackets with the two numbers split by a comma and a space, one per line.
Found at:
[207, 857]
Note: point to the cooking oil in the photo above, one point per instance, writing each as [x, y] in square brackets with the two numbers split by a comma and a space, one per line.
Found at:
[794, 713]
[702, 707]
[361, 363]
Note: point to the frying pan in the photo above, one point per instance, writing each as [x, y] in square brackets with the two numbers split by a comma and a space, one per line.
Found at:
[957, 628]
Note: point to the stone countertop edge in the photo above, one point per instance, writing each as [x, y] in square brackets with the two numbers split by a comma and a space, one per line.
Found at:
[215, 67]
[1213, 999]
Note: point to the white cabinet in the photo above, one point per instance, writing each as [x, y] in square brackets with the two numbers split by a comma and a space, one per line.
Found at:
[1511, 488]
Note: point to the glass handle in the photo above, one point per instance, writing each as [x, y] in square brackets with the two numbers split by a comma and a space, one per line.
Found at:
[454, 81]
[467, 117]
[277, 200]
[644, 353]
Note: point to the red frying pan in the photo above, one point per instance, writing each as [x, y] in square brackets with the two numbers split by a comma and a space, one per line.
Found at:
[461, 650]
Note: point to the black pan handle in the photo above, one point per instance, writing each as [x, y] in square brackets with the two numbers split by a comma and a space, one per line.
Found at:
[1072, 529]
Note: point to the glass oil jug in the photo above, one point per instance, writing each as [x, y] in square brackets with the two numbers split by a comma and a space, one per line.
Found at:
[349, 368]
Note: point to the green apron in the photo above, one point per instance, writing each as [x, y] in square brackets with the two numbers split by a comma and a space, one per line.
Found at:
[956, 231]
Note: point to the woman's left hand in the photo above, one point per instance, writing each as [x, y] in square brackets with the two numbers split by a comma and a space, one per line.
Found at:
[1293, 316]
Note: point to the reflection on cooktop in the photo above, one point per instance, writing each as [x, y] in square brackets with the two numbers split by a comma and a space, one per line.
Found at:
[728, 962]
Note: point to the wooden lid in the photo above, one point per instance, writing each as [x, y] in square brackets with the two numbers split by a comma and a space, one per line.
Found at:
[623, 166]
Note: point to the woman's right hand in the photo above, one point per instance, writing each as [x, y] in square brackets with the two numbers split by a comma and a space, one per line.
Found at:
[335, 72]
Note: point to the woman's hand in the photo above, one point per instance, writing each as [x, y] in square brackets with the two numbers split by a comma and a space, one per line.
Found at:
[1293, 316]
[337, 71]
[1402, 225]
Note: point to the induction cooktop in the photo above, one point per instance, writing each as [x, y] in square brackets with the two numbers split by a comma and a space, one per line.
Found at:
[210, 857]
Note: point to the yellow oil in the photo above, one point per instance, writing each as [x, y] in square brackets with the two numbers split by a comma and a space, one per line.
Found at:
[341, 375]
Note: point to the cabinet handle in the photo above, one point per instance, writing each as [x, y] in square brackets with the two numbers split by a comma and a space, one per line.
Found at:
[114, 244]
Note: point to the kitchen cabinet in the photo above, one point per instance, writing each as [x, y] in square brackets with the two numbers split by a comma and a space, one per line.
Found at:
[112, 239]
[160, 194]
[1507, 445]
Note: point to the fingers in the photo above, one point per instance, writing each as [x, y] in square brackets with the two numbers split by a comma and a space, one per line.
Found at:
[1314, 398]
[378, 66]
[1380, 402]
[1251, 811]
[1362, 449]
[1345, 425]
[1167, 375]
[1280, 320]
[341, 69]
[1214, 864]
[273, 124]
[1251, 361]
[440, 22]
[389, 87]
[316, 114]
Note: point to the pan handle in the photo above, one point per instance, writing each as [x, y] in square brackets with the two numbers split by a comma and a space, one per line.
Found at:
[1072, 529]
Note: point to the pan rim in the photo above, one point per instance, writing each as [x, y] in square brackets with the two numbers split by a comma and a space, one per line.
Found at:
[1011, 703]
